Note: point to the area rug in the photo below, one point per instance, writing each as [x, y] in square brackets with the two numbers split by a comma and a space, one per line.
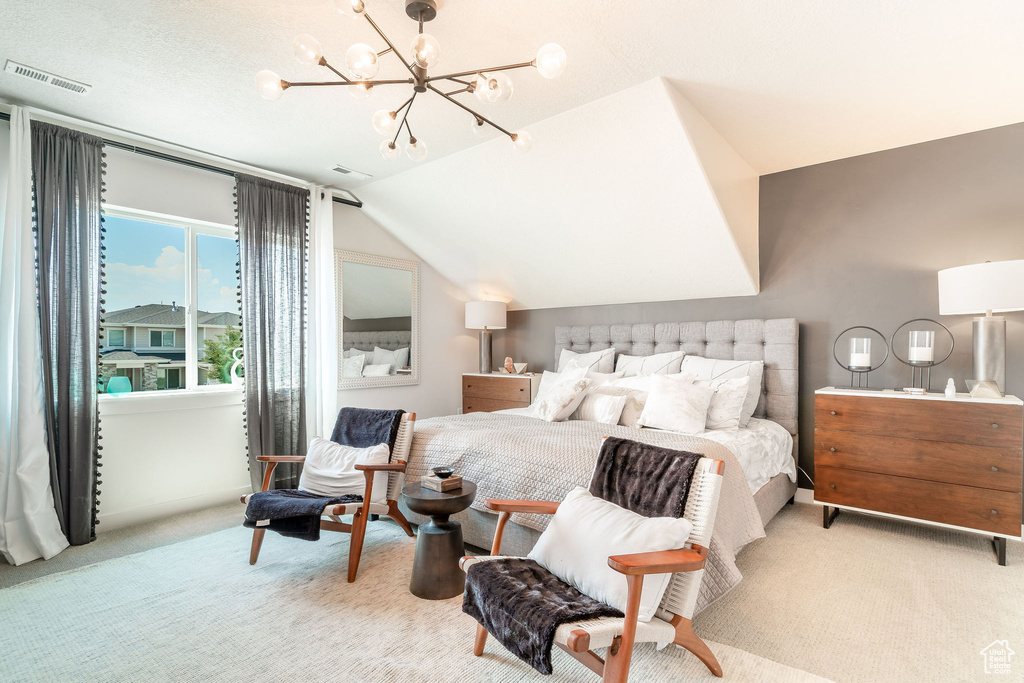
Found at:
[197, 611]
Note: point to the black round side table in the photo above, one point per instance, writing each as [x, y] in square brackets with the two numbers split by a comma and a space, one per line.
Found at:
[435, 572]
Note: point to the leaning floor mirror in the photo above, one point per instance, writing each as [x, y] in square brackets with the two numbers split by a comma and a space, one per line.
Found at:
[378, 302]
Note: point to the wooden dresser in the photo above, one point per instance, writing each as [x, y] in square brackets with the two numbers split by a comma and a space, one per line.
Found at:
[954, 462]
[484, 393]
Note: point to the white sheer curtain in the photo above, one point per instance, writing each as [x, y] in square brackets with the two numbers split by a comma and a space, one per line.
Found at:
[29, 528]
[322, 320]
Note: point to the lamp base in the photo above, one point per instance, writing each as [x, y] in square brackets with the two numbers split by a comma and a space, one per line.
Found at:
[485, 352]
[990, 350]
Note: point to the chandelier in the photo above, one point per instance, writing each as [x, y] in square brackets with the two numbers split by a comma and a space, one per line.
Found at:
[491, 85]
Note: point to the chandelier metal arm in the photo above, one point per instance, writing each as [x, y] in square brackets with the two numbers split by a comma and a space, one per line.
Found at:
[323, 62]
[390, 45]
[456, 92]
[370, 84]
[480, 71]
[404, 117]
[478, 116]
[460, 82]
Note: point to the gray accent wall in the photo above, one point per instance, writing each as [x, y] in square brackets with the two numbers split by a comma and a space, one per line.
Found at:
[851, 242]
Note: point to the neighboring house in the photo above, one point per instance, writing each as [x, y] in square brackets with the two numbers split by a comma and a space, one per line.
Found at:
[147, 345]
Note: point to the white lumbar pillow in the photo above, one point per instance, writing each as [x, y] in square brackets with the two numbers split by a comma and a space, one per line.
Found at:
[595, 361]
[330, 469]
[676, 404]
[559, 394]
[382, 370]
[658, 364]
[353, 366]
[601, 408]
[726, 409]
[712, 369]
[631, 409]
[586, 531]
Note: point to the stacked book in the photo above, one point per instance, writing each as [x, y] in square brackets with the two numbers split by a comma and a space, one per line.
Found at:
[435, 483]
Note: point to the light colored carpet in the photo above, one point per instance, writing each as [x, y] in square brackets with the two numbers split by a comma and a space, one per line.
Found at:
[196, 611]
[873, 599]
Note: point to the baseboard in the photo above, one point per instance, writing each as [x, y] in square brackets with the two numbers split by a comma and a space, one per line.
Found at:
[804, 496]
[148, 513]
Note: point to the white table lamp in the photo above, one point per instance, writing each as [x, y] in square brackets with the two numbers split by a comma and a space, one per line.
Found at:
[485, 316]
[991, 287]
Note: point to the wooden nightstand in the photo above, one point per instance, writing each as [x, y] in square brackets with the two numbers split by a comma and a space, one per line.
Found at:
[484, 393]
[952, 462]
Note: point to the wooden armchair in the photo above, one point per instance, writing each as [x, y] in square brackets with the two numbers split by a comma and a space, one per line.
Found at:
[360, 511]
[671, 623]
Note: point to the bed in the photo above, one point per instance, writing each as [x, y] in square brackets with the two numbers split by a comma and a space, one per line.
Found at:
[512, 455]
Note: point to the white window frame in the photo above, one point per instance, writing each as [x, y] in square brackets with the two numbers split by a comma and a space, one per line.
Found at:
[193, 228]
[124, 337]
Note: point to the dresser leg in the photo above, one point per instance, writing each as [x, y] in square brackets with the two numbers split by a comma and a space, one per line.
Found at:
[999, 545]
[826, 517]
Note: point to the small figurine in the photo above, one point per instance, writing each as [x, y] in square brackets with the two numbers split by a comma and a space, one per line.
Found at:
[950, 388]
[509, 367]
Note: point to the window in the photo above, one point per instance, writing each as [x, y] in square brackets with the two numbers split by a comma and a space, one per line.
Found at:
[177, 279]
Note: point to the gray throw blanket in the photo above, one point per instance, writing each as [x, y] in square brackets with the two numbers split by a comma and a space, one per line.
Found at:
[522, 604]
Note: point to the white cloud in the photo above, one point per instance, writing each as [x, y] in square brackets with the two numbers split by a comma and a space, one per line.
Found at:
[164, 282]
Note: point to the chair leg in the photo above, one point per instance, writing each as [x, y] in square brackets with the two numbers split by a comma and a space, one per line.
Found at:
[257, 543]
[686, 638]
[481, 638]
[396, 514]
[616, 663]
[356, 548]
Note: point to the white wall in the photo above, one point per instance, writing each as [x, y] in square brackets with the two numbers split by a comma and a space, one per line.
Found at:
[168, 454]
[449, 349]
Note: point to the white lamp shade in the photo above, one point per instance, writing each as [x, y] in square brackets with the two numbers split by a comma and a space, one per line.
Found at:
[996, 286]
[489, 314]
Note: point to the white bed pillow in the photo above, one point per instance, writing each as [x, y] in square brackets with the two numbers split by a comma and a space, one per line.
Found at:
[602, 408]
[586, 531]
[713, 369]
[330, 469]
[726, 409]
[399, 358]
[595, 361]
[632, 408]
[559, 394]
[353, 366]
[382, 370]
[637, 383]
[676, 404]
[356, 352]
[658, 364]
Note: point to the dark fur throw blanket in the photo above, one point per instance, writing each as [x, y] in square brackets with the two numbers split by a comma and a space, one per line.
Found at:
[291, 512]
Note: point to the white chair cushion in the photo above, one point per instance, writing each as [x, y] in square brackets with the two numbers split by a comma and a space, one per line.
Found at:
[330, 469]
[586, 531]
[676, 404]
[712, 369]
[559, 394]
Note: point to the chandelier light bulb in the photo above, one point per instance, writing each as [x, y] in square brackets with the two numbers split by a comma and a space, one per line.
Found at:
[350, 8]
[307, 49]
[360, 92]
[495, 88]
[426, 51]
[416, 150]
[480, 129]
[550, 61]
[385, 122]
[269, 86]
[391, 151]
[523, 141]
[362, 61]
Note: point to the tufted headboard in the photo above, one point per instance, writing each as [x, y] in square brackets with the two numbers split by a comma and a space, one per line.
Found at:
[773, 341]
[365, 341]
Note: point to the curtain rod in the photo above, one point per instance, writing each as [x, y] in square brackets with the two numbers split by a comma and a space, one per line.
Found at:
[135, 149]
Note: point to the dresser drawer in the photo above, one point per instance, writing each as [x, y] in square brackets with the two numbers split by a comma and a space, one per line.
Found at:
[498, 387]
[982, 424]
[953, 463]
[472, 404]
[965, 506]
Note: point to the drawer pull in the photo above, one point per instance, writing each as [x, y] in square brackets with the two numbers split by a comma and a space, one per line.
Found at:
[833, 449]
[994, 512]
[832, 486]
[834, 412]
[994, 468]
[520, 388]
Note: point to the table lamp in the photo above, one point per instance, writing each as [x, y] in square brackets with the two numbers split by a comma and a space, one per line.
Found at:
[485, 316]
[990, 287]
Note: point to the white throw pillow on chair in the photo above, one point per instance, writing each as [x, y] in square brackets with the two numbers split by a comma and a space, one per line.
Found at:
[330, 470]
[587, 530]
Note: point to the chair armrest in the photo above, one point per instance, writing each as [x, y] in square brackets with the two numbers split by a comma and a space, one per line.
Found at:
[281, 458]
[540, 507]
[663, 562]
[397, 466]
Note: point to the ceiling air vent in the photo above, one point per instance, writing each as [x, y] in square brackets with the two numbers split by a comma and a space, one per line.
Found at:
[350, 173]
[47, 78]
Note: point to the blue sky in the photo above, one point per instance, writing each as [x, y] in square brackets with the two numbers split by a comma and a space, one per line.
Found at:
[145, 264]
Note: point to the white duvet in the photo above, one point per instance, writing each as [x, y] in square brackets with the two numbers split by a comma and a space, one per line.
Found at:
[763, 448]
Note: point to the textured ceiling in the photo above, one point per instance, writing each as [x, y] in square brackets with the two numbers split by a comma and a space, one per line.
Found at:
[663, 210]
[786, 82]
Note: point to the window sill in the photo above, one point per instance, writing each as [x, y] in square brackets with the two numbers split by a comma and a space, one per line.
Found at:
[169, 399]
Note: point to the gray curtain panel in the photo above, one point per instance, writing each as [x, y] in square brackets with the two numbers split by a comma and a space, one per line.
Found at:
[67, 169]
[272, 240]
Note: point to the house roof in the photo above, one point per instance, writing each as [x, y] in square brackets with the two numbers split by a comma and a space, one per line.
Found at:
[132, 356]
[164, 314]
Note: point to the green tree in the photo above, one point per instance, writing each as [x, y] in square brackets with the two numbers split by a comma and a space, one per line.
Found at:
[217, 352]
